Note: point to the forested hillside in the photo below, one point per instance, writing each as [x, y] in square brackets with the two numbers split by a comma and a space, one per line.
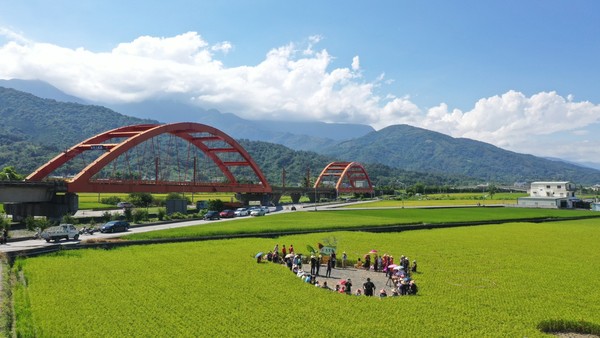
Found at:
[416, 149]
[34, 130]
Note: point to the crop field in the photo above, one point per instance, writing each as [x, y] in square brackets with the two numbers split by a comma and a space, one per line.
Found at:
[93, 200]
[344, 219]
[464, 199]
[494, 280]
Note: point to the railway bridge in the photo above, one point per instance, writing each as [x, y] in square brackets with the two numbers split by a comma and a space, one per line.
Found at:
[162, 158]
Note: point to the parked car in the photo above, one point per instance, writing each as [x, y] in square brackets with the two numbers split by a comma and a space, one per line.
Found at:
[56, 233]
[125, 205]
[257, 212]
[252, 208]
[227, 213]
[211, 215]
[241, 212]
[114, 226]
[266, 209]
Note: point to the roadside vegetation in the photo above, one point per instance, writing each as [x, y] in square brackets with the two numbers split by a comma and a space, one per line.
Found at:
[496, 280]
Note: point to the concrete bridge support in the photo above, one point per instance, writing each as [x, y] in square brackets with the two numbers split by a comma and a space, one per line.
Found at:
[55, 209]
[295, 197]
[245, 198]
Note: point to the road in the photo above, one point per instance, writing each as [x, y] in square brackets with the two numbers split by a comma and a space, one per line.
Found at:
[40, 243]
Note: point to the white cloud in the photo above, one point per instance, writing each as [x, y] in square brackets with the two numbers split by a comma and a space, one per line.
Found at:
[292, 83]
[355, 63]
[223, 47]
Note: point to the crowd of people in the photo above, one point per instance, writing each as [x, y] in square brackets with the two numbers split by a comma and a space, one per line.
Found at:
[399, 275]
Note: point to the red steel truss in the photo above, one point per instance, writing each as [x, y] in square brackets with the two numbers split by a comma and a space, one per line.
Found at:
[354, 172]
[134, 135]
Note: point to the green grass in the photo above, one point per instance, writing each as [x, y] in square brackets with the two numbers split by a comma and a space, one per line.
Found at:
[465, 199]
[486, 281]
[92, 200]
[344, 219]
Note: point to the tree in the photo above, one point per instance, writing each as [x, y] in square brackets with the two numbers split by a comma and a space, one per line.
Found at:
[216, 205]
[419, 188]
[10, 174]
[141, 199]
[177, 196]
[492, 190]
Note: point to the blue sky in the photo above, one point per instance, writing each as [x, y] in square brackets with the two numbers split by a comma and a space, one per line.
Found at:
[518, 74]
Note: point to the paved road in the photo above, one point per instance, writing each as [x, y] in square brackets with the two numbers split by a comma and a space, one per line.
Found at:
[39, 243]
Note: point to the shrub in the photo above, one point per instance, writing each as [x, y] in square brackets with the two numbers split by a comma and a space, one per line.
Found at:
[128, 214]
[569, 326]
[178, 215]
[162, 212]
[111, 200]
[140, 215]
[141, 199]
[216, 205]
[69, 219]
[177, 196]
[106, 216]
[36, 223]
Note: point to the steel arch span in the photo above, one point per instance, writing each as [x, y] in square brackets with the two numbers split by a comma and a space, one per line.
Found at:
[357, 179]
[133, 136]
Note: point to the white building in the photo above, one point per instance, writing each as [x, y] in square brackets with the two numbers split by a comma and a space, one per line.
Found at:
[549, 195]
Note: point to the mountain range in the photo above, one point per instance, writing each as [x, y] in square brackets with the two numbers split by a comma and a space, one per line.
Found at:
[41, 120]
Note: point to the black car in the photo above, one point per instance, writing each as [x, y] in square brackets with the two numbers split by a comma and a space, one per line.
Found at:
[115, 226]
[211, 214]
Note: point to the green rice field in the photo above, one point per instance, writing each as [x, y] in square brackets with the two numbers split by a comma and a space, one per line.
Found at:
[93, 200]
[345, 219]
[485, 281]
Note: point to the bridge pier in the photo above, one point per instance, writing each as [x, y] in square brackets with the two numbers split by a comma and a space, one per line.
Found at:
[55, 209]
[295, 197]
[245, 198]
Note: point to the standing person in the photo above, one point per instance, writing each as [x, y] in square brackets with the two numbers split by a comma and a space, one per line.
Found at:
[414, 267]
[349, 286]
[328, 272]
[385, 263]
[367, 262]
[313, 264]
[283, 251]
[291, 248]
[344, 259]
[333, 257]
[406, 264]
[369, 287]
[375, 263]
[276, 249]
[5, 236]
[318, 263]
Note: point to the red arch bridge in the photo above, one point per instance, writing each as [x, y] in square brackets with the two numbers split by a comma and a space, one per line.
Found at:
[179, 157]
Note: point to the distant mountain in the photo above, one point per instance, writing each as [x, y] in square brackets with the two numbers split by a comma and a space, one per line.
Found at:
[39, 126]
[295, 135]
[34, 130]
[40, 89]
[591, 165]
[416, 149]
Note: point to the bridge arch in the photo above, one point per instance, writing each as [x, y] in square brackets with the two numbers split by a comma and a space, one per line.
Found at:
[133, 136]
[351, 178]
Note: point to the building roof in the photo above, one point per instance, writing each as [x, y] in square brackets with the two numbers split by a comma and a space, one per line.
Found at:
[551, 182]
